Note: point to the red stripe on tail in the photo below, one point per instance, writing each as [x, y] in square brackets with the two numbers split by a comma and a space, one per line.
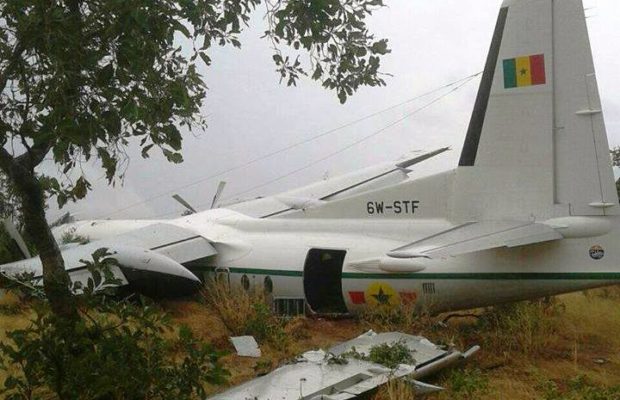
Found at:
[537, 64]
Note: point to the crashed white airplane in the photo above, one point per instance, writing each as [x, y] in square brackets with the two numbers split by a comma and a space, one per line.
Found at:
[530, 211]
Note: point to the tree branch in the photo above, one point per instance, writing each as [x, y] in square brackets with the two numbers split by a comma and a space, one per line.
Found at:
[6, 160]
[34, 155]
[4, 75]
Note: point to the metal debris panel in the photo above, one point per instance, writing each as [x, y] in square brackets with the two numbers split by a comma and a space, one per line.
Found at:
[423, 351]
[340, 374]
[246, 346]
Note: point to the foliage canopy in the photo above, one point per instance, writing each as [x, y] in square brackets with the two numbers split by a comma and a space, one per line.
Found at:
[80, 78]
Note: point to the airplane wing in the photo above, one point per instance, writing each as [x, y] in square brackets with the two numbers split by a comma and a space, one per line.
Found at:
[150, 260]
[332, 189]
[477, 236]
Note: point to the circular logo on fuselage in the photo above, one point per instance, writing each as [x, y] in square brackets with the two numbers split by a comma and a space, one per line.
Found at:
[597, 252]
[382, 294]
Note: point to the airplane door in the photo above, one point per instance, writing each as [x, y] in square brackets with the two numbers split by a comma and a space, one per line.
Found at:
[323, 281]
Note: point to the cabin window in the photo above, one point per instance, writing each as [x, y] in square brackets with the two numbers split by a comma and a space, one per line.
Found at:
[245, 282]
[268, 285]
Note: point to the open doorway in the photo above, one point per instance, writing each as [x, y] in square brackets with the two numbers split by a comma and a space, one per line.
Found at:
[323, 281]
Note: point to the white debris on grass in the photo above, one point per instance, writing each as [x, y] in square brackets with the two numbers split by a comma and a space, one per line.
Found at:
[344, 371]
[246, 346]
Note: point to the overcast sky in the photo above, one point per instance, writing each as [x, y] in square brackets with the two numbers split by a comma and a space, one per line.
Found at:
[433, 43]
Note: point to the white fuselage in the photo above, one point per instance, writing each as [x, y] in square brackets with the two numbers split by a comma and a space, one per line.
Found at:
[252, 250]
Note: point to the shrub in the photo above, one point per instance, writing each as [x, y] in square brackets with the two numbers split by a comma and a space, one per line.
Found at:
[578, 388]
[386, 354]
[118, 351]
[232, 304]
[404, 318]
[391, 355]
[466, 383]
[246, 312]
[115, 350]
[526, 327]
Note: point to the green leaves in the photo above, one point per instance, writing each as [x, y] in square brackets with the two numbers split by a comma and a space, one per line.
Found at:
[380, 47]
[87, 82]
[65, 191]
[173, 157]
[181, 28]
[81, 187]
[119, 350]
[342, 54]
[105, 75]
[391, 355]
[615, 156]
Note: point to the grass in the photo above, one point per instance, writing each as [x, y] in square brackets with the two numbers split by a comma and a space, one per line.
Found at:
[247, 312]
[567, 349]
[398, 319]
[12, 315]
[468, 383]
[395, 390]
[540, 350]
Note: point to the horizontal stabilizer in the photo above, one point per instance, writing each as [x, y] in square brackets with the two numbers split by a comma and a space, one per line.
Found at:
[478, 236]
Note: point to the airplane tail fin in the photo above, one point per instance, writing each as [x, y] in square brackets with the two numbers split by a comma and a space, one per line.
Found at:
[538, 114]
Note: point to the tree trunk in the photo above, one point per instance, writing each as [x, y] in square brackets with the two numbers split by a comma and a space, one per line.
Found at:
[55, 278]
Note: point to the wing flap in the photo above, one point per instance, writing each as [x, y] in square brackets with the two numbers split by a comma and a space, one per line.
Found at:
[479, 236]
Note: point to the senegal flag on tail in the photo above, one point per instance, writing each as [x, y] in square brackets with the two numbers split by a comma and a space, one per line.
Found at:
[524, 71]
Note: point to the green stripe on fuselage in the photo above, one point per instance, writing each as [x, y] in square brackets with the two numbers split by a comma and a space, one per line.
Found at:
[493, 276]
[587, 276]
[249, 271]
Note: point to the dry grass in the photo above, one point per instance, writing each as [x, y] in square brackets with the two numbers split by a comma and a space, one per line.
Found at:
[529, 328]
[537, 351]
[13, 316]
[233, 305]
[395, 390]
[565, 350]
[404, 318]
